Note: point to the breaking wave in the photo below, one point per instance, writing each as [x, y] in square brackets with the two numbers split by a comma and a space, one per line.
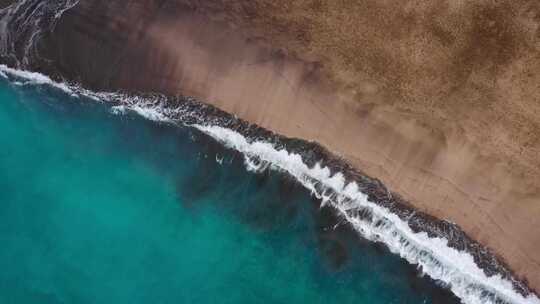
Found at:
[457, 270]
[434, 257]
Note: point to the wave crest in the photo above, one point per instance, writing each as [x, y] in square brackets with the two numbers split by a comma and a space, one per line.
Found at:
[456, 269]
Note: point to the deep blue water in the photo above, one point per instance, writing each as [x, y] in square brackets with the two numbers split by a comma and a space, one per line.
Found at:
[101, 208]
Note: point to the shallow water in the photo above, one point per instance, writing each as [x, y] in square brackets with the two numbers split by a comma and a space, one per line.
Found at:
[102, 208]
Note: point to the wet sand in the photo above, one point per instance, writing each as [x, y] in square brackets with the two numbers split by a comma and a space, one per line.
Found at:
[441, 102]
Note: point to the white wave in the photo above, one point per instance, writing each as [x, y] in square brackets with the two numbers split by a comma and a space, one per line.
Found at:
[153, 114]
[34, 78]
[436, 259]
[141, 106]
[119, 110]
[455, 268]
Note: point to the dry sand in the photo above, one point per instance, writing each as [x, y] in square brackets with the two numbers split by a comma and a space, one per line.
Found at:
[438, 99]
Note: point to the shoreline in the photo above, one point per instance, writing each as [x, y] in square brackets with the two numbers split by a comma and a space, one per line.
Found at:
[192, 113]
[438, 172]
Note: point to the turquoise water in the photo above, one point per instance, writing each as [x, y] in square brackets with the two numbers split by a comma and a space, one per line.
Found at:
[100, 208]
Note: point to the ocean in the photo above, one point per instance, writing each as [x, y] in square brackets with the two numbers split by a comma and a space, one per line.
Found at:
[97, 207]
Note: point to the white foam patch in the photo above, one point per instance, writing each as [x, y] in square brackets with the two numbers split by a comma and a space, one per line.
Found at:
[34, 78]
[436, 259]
[148, 113]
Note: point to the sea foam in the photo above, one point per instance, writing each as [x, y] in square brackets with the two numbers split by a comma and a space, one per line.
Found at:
[33, 78]
[434, 257]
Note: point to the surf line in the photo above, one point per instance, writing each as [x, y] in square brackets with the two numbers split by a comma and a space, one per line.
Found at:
[435, 258]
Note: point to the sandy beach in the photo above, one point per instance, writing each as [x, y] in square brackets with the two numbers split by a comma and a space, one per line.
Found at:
[440, 101]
